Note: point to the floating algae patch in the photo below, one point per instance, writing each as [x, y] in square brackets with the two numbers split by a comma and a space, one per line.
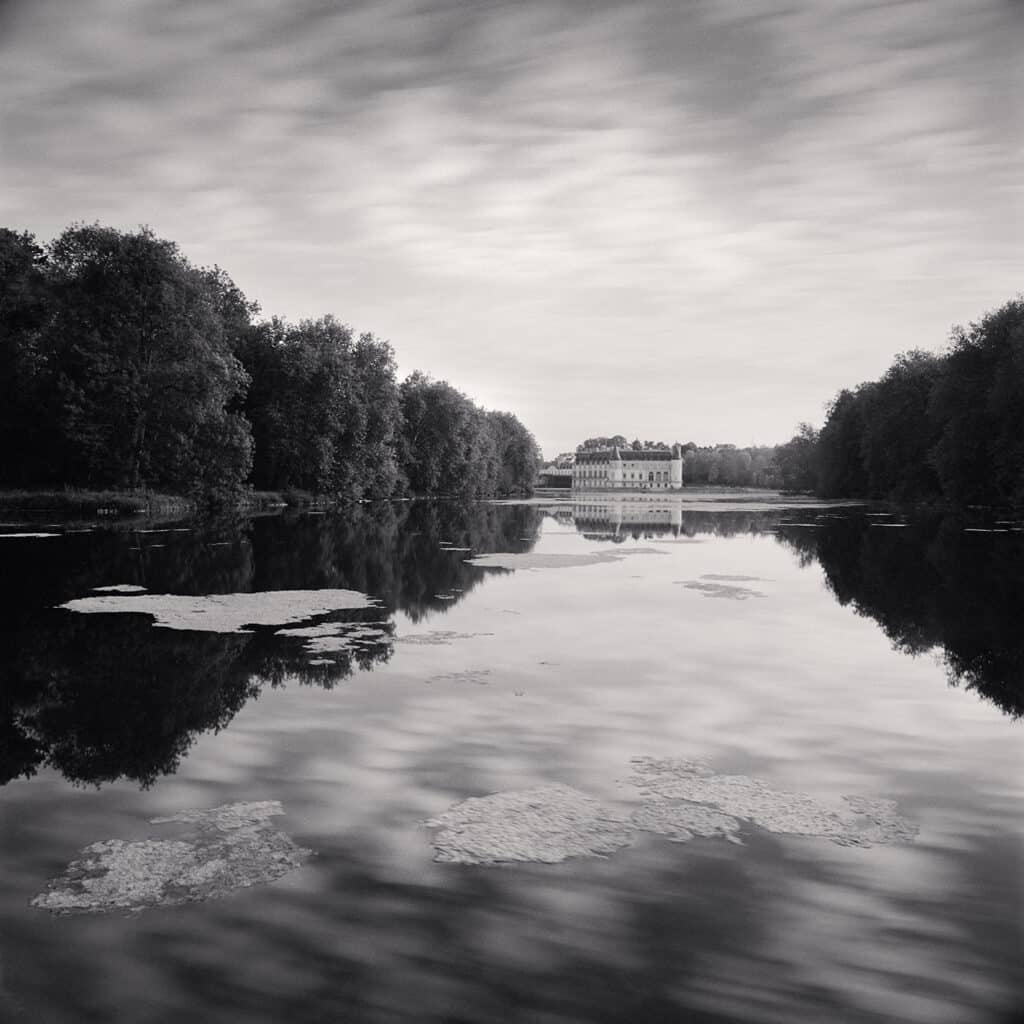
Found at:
[728, 578]
[305, 632]
[681, 821]
[680, 800]
[335, 637]
[726, 590]
[334, 628]
[855, 821]
[437, 637]
[120, 588]
[469, 675]
[229, 847]
[226, 613]
[349, 641]
[545, 825]
[552, 560]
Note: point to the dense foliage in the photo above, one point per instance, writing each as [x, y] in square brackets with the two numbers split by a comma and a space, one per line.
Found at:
[725, 465]
[118, 366]
[122, 365]
[451, 446]
[324, 409]
[947, 427]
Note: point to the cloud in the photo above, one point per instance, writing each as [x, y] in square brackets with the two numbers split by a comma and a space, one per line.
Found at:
[504, 183]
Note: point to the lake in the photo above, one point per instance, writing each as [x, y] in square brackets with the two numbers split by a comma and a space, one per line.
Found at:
[624, 674]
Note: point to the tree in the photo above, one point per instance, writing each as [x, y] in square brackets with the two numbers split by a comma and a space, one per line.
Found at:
[518, 458]
[146, 373]
[593, 444]
[898, 434]
[948, 427]
[451, 446]
[840, 446]
[26, 378]
[797, 460]
[123, 365]
[325, 409]
[439, 435]
[977, 410]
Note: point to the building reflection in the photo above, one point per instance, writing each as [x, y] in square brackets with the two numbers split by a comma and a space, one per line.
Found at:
[613, 518]
[617, 518]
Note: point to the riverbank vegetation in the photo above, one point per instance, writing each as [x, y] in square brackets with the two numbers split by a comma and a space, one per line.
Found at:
[125, 367]
[946, 428]
[939, 428]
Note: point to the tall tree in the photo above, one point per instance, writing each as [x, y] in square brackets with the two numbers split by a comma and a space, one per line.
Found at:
[324, 407]
[840, 446]
[146, 370]
[28, 430]
[797, 460]
[898, 434]
[451, 446]
[978, 410]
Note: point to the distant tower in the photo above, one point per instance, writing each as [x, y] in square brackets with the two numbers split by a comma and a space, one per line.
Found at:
[615, 469]
[676, 468]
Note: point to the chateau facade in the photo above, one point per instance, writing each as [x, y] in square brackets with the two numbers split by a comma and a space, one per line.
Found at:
[648, 470]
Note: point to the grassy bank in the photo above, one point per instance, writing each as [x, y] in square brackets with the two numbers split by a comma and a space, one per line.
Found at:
[95, 503]
[80, 503]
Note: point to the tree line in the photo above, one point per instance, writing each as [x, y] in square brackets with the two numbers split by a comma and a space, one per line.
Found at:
[946, 427]
[123, 365]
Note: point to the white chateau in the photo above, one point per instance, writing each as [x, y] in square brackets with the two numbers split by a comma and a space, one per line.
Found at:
[628, 470]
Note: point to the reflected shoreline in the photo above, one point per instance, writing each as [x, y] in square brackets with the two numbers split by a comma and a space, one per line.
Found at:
[108, 696]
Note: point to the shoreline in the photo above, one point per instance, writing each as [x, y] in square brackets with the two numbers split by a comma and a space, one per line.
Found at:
[115, 504]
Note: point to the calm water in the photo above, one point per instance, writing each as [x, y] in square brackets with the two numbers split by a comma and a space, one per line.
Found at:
[862, 658]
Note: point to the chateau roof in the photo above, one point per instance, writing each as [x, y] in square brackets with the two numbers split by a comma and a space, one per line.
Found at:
[625, 455]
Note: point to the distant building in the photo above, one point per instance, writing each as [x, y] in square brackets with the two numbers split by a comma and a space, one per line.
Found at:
[555, 476]
[628, 470]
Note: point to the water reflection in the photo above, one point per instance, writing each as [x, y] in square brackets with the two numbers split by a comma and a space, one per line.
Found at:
[615, 519]
[103, 697]
[789, 688]
[932, 585]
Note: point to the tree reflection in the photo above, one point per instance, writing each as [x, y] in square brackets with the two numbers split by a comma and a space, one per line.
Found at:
[103, 697]
[932, 585]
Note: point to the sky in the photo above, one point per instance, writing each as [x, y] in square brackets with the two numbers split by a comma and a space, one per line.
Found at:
[670, 219]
